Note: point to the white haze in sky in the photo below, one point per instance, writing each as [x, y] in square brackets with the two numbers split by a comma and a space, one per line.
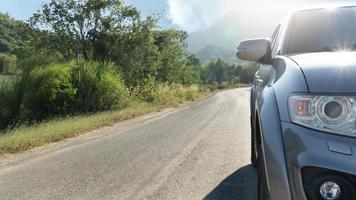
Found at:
[193, 15]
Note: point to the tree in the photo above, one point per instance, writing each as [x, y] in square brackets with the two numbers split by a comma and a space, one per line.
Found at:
[13, 41]
[176, 65]
[137, 56]
[83, 28]
[247, 73]
[197, 68]
[216, 72]
[12, 37]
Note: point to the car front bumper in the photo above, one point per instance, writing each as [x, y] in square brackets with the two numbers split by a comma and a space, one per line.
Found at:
[309, 148]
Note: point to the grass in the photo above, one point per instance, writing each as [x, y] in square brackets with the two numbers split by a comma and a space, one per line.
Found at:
[27, 137]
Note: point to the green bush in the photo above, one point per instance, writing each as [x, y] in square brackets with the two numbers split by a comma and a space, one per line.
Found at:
[99, 87]
[9, 101]
[7, 63]
[48, 91]
[61, 89]
[75, 87]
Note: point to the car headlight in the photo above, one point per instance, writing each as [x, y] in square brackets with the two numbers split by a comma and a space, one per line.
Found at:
[336, 114]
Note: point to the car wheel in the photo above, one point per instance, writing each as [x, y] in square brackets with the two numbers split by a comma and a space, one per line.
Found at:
[262, 191]
[253, 144]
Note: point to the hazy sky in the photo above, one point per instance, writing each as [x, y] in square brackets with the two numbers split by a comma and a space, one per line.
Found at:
[189, 15]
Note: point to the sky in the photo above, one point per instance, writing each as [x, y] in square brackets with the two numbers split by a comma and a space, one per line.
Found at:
[189, 15]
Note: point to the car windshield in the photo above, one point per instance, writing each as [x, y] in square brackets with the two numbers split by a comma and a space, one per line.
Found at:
[323, 30]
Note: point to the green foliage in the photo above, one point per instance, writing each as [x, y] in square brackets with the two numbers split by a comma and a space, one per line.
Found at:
[5, 46]
[196, 70]
[12, 38]
[61, 89]
[85, 28]
[9, 101]
[217, 72]
[173, 67]
[47, 92]
[99, 87]
[39, 59]
[7, 63]
[108, 30]
[220, 72]
[248, 72]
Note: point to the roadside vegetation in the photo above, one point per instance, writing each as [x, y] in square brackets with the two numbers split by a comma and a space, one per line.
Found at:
[75, 66]
[26, 137]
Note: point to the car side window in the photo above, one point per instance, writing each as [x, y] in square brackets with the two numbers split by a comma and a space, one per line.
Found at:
[275, 41]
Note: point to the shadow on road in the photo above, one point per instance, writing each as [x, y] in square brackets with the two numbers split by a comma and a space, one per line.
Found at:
[241, 185]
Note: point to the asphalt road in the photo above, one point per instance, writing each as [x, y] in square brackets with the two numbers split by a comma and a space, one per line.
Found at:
[200, 151]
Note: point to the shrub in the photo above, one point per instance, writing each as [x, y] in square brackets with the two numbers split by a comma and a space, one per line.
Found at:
[75, 87]
[7, 63]
[9, 101]
[61, 89]
[48, 91]
[99, 87]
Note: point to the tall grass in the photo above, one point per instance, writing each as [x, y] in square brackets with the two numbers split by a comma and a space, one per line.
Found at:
[175, 94]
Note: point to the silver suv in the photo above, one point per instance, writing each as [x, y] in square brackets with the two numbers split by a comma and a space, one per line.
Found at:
[303, 106]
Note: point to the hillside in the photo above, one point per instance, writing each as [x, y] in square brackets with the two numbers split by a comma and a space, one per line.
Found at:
[230, 29]
[212, 52]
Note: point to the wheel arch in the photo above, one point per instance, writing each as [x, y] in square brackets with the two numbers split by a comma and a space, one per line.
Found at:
[271, 138]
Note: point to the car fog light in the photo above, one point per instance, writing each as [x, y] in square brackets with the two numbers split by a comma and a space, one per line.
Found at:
[330, 190]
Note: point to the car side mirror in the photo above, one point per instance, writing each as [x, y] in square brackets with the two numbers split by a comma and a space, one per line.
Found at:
[255, 50]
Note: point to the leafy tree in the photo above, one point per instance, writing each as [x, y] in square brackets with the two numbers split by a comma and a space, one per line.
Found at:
[247, 73]
[137, 56]
[12, 37]
[84, 28]
[221, 72]
[196, 67]
[216, 72]
[13, 41]
[172, 56]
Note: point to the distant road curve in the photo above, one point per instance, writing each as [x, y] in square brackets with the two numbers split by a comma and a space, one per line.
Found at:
[200, 151]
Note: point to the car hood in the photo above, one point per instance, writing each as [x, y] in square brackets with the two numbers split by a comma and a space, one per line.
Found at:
[333, 72]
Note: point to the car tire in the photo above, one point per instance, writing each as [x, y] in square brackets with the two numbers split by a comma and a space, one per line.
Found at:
[253, 144]
[262, 191]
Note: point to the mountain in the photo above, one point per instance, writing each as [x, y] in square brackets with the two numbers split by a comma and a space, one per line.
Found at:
[212, 52]
[231, 28]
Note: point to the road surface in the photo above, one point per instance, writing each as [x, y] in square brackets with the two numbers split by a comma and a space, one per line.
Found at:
[200, 151]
